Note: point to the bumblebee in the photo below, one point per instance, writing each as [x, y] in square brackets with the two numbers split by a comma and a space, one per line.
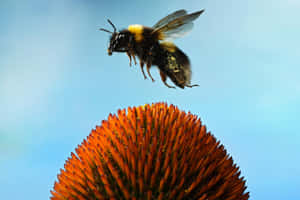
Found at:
[153, 46]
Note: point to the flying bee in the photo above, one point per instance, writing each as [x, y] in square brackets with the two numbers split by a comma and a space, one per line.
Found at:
[153, 46]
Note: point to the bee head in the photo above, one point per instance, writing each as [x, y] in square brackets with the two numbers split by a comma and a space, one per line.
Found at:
[118, 40]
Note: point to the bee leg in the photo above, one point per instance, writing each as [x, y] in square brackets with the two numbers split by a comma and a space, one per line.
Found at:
[133, 56]
[130, 52]
[129, 56]
[142, 68]
[190, 86]
[148, 70]
[164, 78]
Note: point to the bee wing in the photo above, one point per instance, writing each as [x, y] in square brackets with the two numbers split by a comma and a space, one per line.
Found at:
[176, 25]
[172, 34]
[169, 18]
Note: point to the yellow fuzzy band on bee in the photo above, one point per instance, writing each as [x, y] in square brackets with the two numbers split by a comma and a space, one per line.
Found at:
[137, 30]
[161, 36]
[169, 46]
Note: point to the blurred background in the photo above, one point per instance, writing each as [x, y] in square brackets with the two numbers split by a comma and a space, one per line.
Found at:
[57, 83]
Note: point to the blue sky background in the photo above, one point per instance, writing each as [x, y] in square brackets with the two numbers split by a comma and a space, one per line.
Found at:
[57, 82]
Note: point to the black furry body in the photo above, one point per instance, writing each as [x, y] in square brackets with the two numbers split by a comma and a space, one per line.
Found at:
[170, 60]
[150, 45]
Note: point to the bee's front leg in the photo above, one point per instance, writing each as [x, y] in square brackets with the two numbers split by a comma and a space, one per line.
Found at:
[142, 68]
[130, 52]
[134, 59]
[149, 62]
[129, 56]
[148, 65]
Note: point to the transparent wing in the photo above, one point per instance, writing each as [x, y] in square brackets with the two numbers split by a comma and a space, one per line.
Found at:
[178, 32]
[169, 18]
[177, 26]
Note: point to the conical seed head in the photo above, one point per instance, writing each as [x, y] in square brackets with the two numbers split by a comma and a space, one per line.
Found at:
[150, 152]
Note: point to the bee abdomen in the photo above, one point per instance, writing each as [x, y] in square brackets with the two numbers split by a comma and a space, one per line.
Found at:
[177, 67]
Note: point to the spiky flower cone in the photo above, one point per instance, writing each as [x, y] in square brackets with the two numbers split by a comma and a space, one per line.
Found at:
[150, 152]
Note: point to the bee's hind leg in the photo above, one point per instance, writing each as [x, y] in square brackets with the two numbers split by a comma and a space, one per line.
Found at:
[164, 78]
[190, 86]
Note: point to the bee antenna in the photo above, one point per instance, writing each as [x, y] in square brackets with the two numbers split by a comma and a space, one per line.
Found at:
[105, 30]
[115, 29]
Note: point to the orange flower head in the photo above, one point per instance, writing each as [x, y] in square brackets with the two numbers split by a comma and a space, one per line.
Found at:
[150, 152]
